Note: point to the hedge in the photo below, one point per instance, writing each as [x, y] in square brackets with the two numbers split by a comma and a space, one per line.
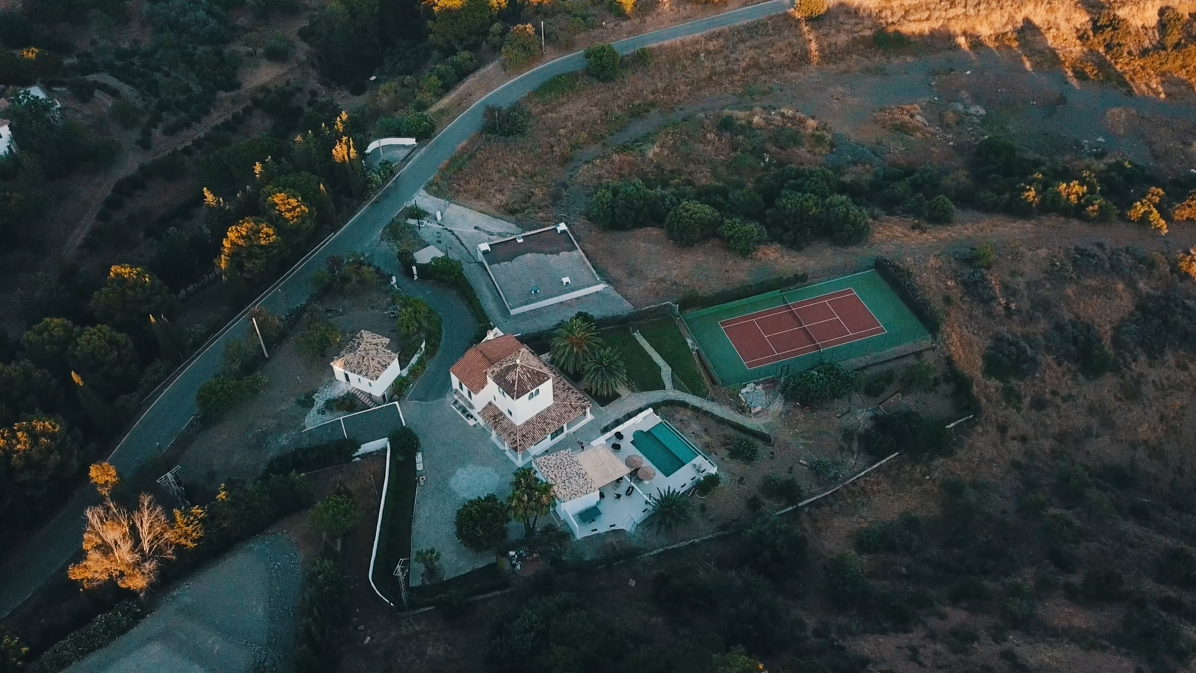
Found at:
[309, 458]
[693, 299]
[903, 283]
[452, 273]
[98, 634]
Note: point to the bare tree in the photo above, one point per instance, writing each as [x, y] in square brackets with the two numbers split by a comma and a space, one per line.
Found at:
[123, 546]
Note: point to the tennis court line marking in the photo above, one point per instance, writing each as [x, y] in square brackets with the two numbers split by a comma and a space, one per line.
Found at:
[809, 348]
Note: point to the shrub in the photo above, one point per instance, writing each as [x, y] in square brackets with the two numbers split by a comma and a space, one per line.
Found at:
[809, 9]
[323, 613]
[878, 383]
[481, 523]
[772, 546]
[318, 336]
[99, 633]
[743, 449]
[506, 123]
[126, 113]
[316, 457]
[844, 579]
[521, 47]
[337, 514]
[420, 126]
[278, 48]
[824, 383]
[919, 378]
[1079, 343]
[221, 394]
[1159, 321]
[904, 536]
[1009, 357]
[624, 205]
[940, 210]
[405, 443]
[691, 222]
[741, 236]
[1177, 567]
[846, 222]
[903, 281]
[602, 62]
[1104, 584]
[783, 489]
[909, 432]
[707, 484]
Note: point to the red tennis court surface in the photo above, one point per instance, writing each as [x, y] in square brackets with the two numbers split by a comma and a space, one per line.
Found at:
[793, 330]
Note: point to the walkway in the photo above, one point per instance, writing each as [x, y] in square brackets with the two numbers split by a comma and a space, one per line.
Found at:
[666, 372]
[636, 402]
[54, 545]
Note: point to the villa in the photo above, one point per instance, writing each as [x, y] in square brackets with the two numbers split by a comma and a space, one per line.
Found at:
[526, 406]
[607, 486]
[368, 365]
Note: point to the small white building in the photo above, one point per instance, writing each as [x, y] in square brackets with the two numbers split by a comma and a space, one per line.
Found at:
[607, 486]
[524, 404]
[7, 144]
[369, 366]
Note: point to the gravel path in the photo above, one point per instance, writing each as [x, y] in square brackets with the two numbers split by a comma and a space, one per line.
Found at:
[238, 615]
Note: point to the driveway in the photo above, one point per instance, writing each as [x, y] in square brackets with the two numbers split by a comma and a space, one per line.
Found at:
[54, 545]
[460, 463]
[236, 616]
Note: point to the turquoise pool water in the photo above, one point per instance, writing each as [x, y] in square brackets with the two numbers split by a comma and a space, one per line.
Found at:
[667, 450]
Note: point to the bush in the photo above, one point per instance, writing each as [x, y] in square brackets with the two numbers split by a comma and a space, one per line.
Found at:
[1104, 584]
[707, 484]
[1159, 321]
[844, 579]
[810, 9]
[420, 126]
[824, 383]
[278, 48]
[521, 47]
[782, 489]
[909, 432]
[741, 236]
[506, 123]
[126, 113]
[318, 336]
[323, 614]
[602, 62]
[404, 443]
[221, 394]
[1078, 342]
[316, 457]
[98, 634]
[845, 222]
[940, 210]
[902, 280]
[1009, 357]
[904, 536]
[691, 222]
[773, 547]
[625, 205]
[481, 523]
[743, 449]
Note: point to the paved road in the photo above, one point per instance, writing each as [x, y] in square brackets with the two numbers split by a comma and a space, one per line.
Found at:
[54, 545]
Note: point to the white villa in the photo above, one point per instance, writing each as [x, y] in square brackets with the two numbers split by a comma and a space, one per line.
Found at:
[606, 486]
[7, 145]
[369, 366]
[526, 406]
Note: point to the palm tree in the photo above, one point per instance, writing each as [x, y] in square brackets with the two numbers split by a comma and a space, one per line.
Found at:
[413, 315]
[670, 509]
[530, 499]
[605, 372]
[573, 341]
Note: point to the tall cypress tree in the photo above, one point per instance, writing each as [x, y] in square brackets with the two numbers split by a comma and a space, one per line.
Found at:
[102, 417]
[170, 343]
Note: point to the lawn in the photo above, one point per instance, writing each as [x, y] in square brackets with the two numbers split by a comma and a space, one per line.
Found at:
[666, 338]
[642, 371]
[396, 527]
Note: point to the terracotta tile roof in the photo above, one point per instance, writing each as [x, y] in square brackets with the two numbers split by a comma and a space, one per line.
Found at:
[519, 373]
[567, 405]
[366, 355]
[471, 368]
[565, 472]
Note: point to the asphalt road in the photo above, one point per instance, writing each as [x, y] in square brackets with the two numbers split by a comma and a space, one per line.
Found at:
[54, 545]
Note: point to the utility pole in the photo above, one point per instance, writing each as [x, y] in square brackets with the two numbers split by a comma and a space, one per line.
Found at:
[259, 337]
[542, 47]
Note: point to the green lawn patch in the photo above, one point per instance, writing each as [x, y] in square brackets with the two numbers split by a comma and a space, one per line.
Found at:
[666, 337]
[396, 526]
[642, 370]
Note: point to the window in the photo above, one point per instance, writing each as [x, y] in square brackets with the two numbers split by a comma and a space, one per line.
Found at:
[557, 433]
[534, 394]
[346, 377]
[509, 412]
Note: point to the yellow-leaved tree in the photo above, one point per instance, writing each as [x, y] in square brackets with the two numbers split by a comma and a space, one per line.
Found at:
[249, 251]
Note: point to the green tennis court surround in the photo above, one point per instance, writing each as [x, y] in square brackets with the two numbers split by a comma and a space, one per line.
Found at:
[786, 331]
[667, 450]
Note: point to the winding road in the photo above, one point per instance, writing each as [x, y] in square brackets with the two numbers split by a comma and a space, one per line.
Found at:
[60, 539]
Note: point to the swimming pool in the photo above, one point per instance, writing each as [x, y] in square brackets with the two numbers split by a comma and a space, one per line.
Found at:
[664, 447]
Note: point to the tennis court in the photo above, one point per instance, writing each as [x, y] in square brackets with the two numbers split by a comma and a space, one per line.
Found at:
[777, 332]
